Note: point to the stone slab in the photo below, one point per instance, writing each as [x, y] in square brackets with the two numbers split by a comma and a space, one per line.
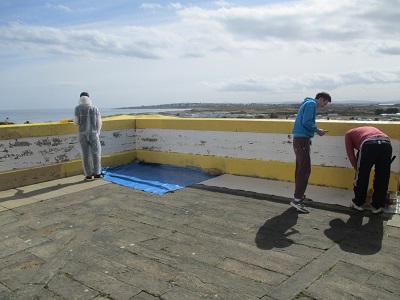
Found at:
[196, 243]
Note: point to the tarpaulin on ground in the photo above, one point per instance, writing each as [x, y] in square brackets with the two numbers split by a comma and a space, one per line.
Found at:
[154, 178]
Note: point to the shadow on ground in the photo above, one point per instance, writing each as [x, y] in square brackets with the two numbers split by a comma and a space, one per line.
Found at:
[361, 233]
[276, 231]
[23, 194]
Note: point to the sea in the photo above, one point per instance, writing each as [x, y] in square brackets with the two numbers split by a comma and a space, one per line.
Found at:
[21, 116]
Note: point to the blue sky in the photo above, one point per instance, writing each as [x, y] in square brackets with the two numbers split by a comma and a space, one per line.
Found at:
[131, 53]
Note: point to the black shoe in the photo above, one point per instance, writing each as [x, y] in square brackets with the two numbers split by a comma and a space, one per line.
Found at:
[101, 175]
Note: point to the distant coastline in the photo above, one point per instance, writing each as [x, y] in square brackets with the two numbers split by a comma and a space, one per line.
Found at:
[187, 105]
[368, 111]
[32, 116]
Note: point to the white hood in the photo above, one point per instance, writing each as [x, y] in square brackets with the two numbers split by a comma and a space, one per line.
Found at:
[85, 100]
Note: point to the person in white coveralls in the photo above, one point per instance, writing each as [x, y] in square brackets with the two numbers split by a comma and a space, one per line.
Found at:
[88, 118]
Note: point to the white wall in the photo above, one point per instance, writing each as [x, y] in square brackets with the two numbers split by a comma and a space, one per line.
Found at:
[39, 151]
[326, 150]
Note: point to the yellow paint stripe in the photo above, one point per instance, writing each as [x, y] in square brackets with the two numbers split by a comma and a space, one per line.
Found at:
[10, 132]
[324, 176]
[23, 177]
[336, 128]
[339, 128]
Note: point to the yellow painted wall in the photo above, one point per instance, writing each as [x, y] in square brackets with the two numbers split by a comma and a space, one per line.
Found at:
[324, 176]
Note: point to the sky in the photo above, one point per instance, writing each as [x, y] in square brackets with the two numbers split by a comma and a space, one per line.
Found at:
[131, 53]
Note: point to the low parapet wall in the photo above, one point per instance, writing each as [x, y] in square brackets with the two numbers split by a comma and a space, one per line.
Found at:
[34, 153]
[259, 148]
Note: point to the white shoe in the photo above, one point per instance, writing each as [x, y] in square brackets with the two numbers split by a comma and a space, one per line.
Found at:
[356, 207]
[376, 211]
[299, 205]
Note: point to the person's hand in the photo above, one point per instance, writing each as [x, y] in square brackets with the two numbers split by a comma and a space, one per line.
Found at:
[321, 132]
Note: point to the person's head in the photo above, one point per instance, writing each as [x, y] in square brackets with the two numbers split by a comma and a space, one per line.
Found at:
[322, 99]
[86, 94]
[84, 98]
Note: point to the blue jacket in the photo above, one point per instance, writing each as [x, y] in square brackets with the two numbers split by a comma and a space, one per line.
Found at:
[304, 126]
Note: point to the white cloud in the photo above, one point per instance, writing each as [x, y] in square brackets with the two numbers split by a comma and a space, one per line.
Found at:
[132, 42]
[239, 52]
[150, 6]
[348, 24]
[393, 49]
[59, 7]
[285, 84]
[223, 3]
[308, 26]
[175, 5]
[154, 6]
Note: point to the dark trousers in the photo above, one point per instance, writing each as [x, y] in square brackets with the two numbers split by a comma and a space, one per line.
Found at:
[302, 173]
[372, 153]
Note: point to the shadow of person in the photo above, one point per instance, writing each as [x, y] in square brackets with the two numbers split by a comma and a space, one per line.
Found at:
[21, 194]
[361, 234]
[276, 231]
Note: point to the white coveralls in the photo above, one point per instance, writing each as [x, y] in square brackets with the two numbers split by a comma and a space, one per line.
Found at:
[87, 117]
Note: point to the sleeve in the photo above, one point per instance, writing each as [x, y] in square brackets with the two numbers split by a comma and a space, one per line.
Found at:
[350, 150]
[76, 120]
[99, 122]
[308, 120]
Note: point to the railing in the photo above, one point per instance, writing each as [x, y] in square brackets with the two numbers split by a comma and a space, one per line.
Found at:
[33, 153]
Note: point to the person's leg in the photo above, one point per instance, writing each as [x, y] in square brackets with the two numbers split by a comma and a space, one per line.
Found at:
[96, 155]
[86, 161]
[382, 174]
[301, 148]
[365, 161]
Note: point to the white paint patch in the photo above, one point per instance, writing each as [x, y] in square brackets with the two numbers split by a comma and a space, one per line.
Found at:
[38, 151]
[325, 151]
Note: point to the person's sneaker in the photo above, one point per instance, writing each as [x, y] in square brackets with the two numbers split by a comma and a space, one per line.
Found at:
[101, 175]
[377, 210]
[89, 177]
[299, 205]
[356, 207]
[305, 199]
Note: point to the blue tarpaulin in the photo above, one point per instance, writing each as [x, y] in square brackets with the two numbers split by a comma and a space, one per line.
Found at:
[154, 178]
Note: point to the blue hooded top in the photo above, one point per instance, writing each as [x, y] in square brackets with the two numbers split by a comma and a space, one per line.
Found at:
[304, 125]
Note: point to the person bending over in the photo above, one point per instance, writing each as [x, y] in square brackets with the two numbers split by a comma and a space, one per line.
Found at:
[373, 149]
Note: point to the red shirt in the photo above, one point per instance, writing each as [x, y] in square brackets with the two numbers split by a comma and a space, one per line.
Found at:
[356, 136]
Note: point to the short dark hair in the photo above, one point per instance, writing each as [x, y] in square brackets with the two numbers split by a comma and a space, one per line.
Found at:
[324, 95]
[84, 94]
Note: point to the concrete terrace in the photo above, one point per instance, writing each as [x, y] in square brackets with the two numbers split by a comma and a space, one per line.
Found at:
[69, 239]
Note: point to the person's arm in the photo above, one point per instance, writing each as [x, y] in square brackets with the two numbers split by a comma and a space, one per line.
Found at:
[99, 122]
[308, 120]
[76, 120]
[350, 150]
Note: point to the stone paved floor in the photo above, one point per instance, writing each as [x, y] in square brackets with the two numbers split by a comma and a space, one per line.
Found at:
[68, 239]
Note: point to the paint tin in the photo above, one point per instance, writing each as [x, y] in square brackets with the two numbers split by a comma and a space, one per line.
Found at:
[392, 202]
